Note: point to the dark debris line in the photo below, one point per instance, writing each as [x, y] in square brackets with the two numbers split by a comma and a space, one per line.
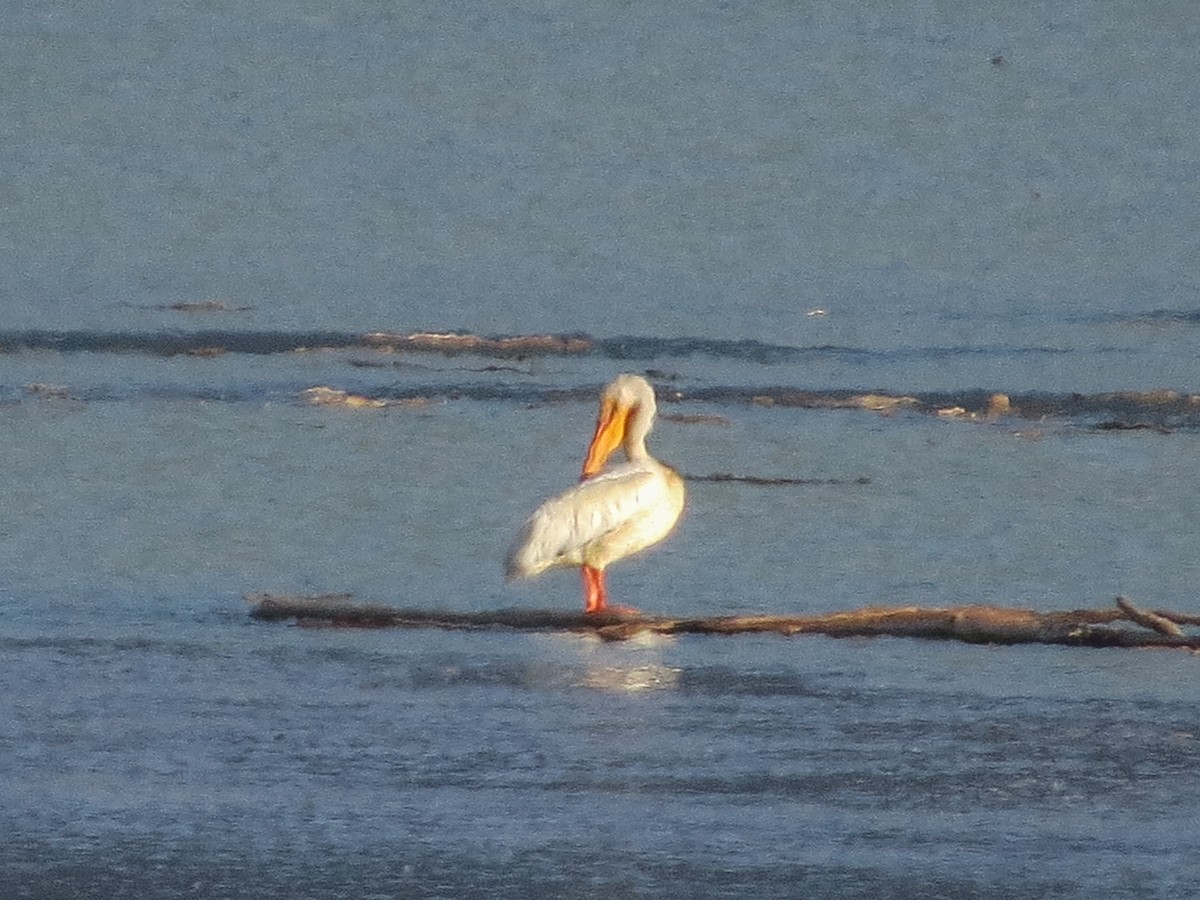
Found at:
[1158, 411]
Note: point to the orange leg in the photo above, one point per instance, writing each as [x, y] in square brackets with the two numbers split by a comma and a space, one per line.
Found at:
[595, 599]
[594, 593]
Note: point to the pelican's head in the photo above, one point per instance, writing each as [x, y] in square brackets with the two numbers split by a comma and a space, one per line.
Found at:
[627, 410]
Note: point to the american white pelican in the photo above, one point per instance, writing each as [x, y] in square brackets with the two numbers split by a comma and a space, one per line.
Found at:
[610, 514]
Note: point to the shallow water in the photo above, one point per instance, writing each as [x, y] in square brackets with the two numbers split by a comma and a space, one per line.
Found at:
[772, 210]
[162, 743]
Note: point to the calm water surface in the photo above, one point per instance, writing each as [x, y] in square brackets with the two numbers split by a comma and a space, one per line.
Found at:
[741, 200]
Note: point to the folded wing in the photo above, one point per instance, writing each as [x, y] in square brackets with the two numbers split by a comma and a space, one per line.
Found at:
[609, 516]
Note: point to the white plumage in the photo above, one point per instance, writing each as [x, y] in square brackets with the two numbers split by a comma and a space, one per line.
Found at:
[612, 513]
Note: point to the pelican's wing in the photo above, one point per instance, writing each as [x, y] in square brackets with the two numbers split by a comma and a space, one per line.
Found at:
[561, 529]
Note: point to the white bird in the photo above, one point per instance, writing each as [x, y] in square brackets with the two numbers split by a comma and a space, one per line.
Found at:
[612, 513]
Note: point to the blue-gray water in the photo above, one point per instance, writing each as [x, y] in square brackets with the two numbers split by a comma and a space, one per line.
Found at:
[750, 202]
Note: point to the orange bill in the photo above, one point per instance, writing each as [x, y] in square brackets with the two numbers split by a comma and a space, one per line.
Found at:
[610, 432]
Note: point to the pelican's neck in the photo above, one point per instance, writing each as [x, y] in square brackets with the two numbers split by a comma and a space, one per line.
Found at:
[641, 420]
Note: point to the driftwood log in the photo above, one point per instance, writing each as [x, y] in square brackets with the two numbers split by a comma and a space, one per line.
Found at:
[1124, 625]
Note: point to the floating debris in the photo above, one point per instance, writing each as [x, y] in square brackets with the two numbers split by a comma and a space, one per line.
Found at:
[884, 403]
[697, 419]
[767, 481]
[327, 396]
[49, 391]
[999, 405]
[192, 306]
[455, 342]
[1159, 397]
[204, 306]
[1113, 425]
